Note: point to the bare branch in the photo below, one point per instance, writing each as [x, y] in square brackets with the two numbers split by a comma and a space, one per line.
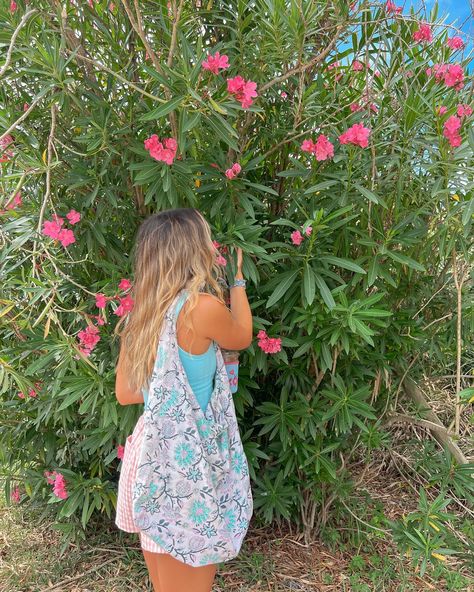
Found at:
[21, 24]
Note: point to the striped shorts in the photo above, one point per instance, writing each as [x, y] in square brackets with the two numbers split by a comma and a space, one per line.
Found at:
[124, 516]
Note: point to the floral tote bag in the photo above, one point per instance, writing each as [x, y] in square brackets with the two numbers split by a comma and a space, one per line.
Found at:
[192, 492]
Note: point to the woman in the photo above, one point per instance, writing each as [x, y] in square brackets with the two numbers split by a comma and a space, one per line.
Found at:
[175, 252]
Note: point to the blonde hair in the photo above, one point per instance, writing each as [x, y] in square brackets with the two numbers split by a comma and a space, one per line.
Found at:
[173, 250]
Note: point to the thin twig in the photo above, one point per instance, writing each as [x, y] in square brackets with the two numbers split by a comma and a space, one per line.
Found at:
[21, 24]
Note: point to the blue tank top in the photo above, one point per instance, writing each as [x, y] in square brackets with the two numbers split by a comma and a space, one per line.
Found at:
[199, 368]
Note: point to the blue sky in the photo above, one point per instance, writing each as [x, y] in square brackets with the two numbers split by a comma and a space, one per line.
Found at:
[457, 11]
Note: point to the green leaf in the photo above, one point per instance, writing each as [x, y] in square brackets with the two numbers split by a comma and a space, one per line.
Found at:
[324, 291]
[370, 195]
[406, 260]
[286, 280]
[345, 263]
[309, 286]
[162, 110]
[320, 186]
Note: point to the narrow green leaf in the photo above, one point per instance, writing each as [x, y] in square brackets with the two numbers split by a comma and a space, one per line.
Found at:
[162, 110]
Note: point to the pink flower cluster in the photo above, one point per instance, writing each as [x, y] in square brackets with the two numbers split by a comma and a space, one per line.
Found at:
[357, 135]
[357, 66]
[322, 148]
[392, 7]
[120, 451]
[464, 110]
[13, 6]
[57, 479]
[221, 260]
[451, 74]
[455, 43]
[216, 62]
[270, 345]
[233, 171]
[163, 151]
[89, 337]
[451, 130]
[33, 392]
[53, 228]
[243, 90]
[15, 495]
[16, 201]
[5, 152]
[297, 237]
[423, 33]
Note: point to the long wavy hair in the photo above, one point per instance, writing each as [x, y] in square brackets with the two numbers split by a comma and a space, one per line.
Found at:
[173, 250]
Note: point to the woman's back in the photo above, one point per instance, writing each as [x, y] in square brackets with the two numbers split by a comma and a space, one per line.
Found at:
[200, 369]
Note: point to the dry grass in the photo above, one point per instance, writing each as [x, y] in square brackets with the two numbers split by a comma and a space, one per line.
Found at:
[271, 560]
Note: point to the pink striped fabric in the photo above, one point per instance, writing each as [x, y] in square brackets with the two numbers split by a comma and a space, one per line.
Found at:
[124, 517]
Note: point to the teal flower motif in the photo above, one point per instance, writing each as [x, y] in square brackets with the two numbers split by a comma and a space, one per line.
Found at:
[194, 474]
[230, 519]
[203, 428]
[209, 530]
[199, 512]
[184, 454]
[238, 462]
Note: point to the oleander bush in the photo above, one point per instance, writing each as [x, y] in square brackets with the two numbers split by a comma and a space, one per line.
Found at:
[331, 141]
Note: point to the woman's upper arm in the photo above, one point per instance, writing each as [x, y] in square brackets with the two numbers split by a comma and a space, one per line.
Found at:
[214, 320]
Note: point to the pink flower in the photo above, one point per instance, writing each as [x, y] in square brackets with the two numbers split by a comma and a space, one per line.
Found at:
[59, 488]
[464, 110]
[13, 6]
[441, 110]
[25, 106]
[125, 306]
[16, 201]
[5, 152]
[392, 7]
[423, 33]
[451, 130]
[89, 338]
[164, 153]
[270, 345]
[355, 107]
[357, 66]
[21, 395]
[120, 451]
[99, 319]
[32, 393]
[50, 476]
[216, 62]
[66, 237]
[15, 495]
[309, 230]
[455, 43]
[357, 135]
[308, 146]
[221, 260]
[373, 107]
[73, 216]
[51, 229]
[243, 90]
[124, 284]
[454, 76]
[284, 95]
[233, 170]
[296, 237]
[333, 65]
[100, 300]
[323, 148]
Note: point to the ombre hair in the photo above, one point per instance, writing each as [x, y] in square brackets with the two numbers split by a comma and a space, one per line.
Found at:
[173, 250]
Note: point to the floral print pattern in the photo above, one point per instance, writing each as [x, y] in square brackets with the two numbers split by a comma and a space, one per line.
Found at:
[192, 492]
